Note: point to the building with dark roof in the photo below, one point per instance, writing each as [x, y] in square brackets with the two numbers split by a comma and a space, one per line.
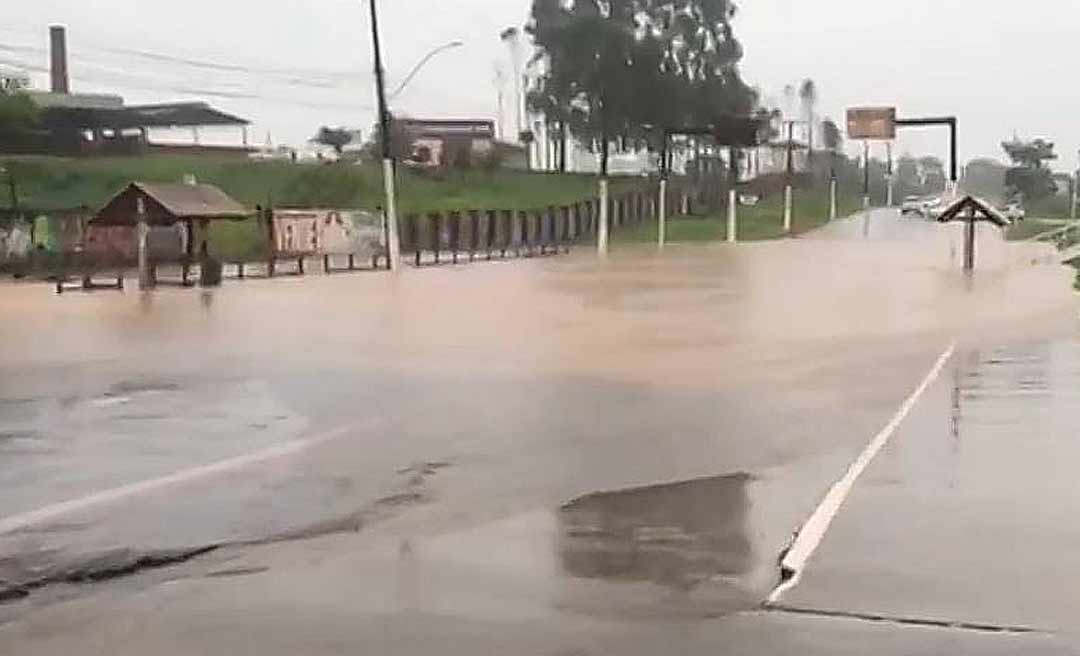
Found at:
[89, 124]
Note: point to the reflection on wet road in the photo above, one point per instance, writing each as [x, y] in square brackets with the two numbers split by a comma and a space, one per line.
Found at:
[677, 535]
[970, 515]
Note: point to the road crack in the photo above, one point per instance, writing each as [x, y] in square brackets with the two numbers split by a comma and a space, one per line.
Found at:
[412, 490]
[960, 625]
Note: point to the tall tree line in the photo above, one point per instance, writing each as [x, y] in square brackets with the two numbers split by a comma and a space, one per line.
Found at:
[623, 70]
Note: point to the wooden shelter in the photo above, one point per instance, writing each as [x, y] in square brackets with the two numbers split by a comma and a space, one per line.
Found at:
[972, 210]
[184, 210]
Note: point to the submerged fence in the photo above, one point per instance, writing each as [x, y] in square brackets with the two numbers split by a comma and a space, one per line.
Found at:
[296, 242]
[450, 237]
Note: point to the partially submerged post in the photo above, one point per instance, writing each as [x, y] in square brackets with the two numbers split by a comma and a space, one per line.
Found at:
[971, 210]
[787, 208]
[790, 175]
[143, 234]
[661, 208]
[1073, 195]
[732, 208]
[832, 198]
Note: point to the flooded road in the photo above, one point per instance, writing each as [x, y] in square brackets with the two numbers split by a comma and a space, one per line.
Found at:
[980, 493]
[577, 442]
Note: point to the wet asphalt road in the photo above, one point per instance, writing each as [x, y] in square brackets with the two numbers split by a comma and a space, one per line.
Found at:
[557, 456]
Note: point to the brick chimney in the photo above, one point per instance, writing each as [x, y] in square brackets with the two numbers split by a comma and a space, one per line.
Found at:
[59, 59]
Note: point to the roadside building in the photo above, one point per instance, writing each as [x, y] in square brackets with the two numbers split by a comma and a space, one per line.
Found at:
[448, 142]
[102, 124]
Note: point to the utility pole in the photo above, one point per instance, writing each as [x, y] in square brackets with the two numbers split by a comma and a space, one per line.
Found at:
[662, 200]
[790, 175]
[393, 245]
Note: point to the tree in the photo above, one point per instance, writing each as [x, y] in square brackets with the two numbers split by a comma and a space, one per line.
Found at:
[1029, 154]
[20, 121]
[833, 141]
[1029, 175]
[336, 138]
[808, 97]
[627, 69]
[401, 144]
[986, 178]
[831, 135]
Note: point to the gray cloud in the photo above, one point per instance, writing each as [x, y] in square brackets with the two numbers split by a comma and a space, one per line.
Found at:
[292, 65]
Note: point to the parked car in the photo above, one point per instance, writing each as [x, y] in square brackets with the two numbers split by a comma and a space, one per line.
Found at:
[912, 205]
[1014, 212]
[933, 208]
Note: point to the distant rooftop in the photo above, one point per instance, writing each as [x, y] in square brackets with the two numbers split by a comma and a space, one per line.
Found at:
[193, 200]
[101, 112]
[441, 128]
[47, 100]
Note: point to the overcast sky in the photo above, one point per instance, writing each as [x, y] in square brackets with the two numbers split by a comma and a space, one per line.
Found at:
[1001, 68]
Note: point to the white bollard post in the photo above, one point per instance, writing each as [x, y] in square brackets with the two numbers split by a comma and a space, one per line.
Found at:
[393, 243]
[662, 214]
[889, 192]
[1072, 203]
[865, 202]
[602, 227]
[732, 209]
[832, 199]
[787, 209]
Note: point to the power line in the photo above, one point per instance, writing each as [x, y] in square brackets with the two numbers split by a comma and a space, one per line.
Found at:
[125, 81]
[196, 62]
[280, 76]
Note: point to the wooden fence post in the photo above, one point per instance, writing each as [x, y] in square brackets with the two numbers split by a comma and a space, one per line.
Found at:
[438, 220]
[455, 234]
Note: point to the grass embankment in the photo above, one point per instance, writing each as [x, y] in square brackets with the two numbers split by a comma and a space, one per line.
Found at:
[1051, 207]
[53, 183]
[1030, 228]
[760, 222]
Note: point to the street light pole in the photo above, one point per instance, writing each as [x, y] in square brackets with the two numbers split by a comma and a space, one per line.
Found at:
[420, 64]
[393, 244]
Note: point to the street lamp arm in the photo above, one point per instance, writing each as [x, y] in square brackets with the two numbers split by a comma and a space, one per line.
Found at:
[419, 65]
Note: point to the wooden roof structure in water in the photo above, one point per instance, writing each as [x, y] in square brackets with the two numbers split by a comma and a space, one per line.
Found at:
[166, 204]
[970, 208]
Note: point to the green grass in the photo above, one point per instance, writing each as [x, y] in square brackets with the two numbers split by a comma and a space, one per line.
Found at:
[239, 241]
[1051, 207]
[1029, 228]
[52, 183]
[761, 222]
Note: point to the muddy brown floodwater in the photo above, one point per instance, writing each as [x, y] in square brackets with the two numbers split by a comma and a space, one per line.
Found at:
[657, 422]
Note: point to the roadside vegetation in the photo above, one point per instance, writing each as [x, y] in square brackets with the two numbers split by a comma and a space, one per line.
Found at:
[56, 183]
[761, 222]
[1030, 228]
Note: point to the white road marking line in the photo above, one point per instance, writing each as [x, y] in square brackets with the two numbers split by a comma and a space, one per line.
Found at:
[813, 531]
[51, 512]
